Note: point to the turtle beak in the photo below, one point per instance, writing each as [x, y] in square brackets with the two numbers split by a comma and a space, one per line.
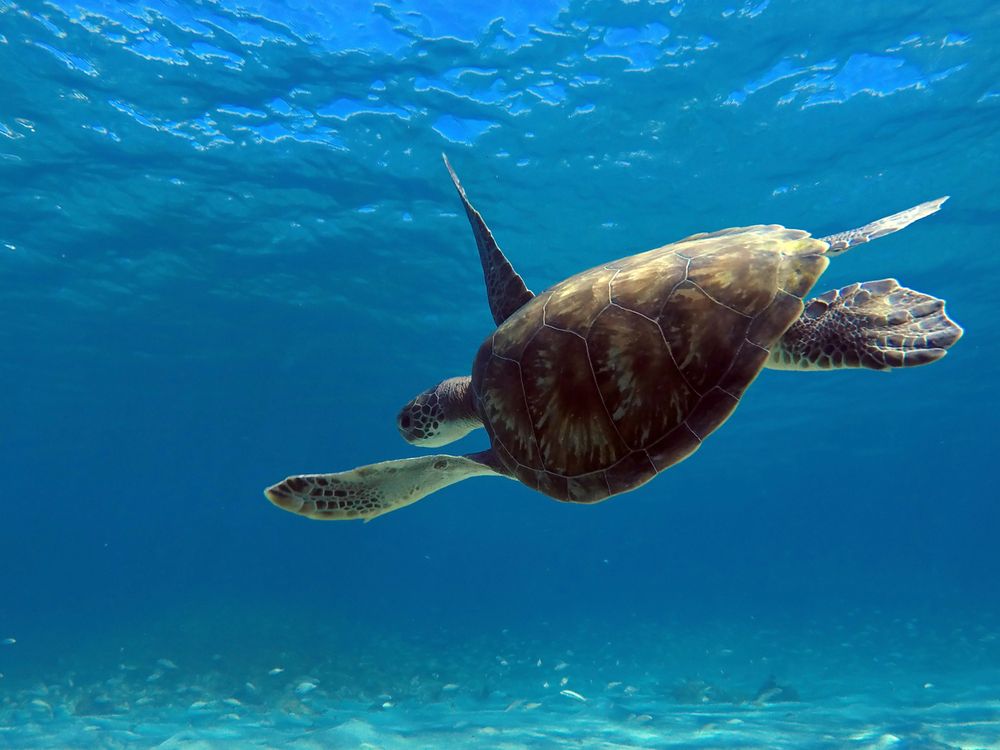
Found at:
[409, 425]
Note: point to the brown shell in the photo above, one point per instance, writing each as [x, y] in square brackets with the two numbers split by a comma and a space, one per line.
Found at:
[621, 371]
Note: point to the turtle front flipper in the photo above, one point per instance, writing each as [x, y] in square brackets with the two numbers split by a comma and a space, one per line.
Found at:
[504, 287]
[370, 491]
[878, 325]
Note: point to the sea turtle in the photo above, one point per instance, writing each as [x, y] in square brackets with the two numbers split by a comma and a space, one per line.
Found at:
[593, 387]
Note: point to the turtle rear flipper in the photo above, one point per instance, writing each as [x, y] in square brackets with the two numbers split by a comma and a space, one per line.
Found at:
[878, 325]
[370, 491]
[887, 225]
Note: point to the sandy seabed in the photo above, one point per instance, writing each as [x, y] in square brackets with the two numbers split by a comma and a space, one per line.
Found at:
[891, 683]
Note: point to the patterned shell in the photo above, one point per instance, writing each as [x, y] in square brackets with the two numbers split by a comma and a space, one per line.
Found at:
[617, 373]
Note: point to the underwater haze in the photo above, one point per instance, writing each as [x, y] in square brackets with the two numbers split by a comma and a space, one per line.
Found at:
[230, 252]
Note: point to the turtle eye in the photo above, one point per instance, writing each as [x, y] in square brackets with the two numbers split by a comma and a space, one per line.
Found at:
[404, 421]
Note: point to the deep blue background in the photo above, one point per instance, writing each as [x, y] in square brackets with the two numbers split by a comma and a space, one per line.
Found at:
[221, 267]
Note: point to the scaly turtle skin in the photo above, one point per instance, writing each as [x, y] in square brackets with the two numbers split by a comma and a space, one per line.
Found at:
[596, 385]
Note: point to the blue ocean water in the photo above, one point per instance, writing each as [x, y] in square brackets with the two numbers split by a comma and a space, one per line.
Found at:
[230, 253]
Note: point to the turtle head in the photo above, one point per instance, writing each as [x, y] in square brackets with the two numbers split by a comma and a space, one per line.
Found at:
[438, 416]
